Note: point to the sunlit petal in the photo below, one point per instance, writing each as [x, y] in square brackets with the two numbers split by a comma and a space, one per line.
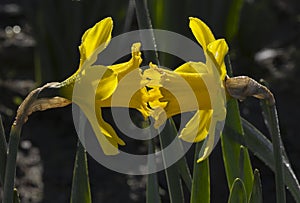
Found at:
[95, 38]
[107, 84]
[129, 92]
[134, 63]
[197, 128]
[219, 49]
[201, 31]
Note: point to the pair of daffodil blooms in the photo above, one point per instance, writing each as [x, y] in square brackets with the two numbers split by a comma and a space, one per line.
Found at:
[154, 92]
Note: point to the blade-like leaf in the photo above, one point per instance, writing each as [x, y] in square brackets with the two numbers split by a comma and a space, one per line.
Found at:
[201, 179]
[233, 18]
[16, 196]
[237, 192]
[144, 22]
[3, 152]
[172, 173]
[256, 194]
[80, 184]
[263, 149]
[185, 173]
[152, 193]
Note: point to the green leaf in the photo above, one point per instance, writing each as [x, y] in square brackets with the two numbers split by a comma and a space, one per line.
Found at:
[237, 192]
[80, 184]
[201, 179]
[233, 18]
[3, 152]
[263, 149]
[172, 173]
[152, 193]
[144, 22]
[184, 171]
[242, 161]
[16, 196]
[256, 194]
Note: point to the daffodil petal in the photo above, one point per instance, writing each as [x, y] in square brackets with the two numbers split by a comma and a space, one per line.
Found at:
[159, 116]
[93, 82]
[192, 67]
[107, 129]
[129, 92]
[216, 90]
[196, 129]
[201, 32]
[95, 38]
[178, 91]
[184, 89]
[154, 95]
[153, 76]
[211, 140]
[123, 69]
[219, 49]
[107, 84]
[106, 136]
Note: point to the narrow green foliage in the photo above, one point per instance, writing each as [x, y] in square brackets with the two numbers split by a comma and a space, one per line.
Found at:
[263, 149]
[152, 193]
[201, 179]
[271, 120]
[172, 173]
[237, 192]
[185, 173]
[16, 196]
[80, 184]
[241, 162]
[233, 18]
[144, 22]
[3, 152]
[256, 194]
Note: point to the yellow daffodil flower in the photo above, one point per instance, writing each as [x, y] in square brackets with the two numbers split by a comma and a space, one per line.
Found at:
[94, 86]
[170, 94]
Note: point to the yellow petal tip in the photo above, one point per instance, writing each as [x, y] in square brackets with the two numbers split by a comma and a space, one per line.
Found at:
[199, 160]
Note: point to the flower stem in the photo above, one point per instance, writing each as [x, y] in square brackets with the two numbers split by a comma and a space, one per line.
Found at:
[271, 120]
[10, 170]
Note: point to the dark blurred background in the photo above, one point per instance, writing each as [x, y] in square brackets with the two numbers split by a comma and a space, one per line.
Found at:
[39, 43]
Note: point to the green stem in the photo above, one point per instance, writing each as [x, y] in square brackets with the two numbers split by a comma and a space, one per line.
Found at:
[27, 107]
[271, 119]
[10, 170]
